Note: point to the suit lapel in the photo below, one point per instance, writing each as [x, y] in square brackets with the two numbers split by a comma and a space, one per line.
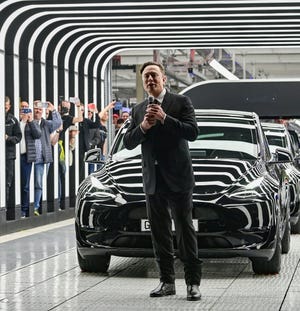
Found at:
[166, 102]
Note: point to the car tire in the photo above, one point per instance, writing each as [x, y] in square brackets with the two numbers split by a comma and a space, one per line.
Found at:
[296, 227]
[272, 266]
[93, 263]
[286, 238]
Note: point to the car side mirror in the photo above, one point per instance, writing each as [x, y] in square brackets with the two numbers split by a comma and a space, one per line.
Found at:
[94, 156]
[281, 155]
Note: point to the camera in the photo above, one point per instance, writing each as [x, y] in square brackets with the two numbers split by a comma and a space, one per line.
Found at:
[26, 110]
[44, 104]
[118, 106]
[74, 100]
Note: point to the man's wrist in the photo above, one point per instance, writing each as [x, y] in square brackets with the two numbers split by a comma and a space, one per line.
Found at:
[142, 129]
[163, 119]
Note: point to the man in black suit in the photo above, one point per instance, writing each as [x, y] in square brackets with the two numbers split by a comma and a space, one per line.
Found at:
[163, 128]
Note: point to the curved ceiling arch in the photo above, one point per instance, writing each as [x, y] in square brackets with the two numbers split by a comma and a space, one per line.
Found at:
[215, 24]
[243, 23]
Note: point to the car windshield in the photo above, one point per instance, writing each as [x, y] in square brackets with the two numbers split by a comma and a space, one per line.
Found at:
[217, 139]
[276, 137]
[225, 139]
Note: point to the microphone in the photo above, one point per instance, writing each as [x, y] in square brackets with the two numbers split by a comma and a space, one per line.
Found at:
[150, 100]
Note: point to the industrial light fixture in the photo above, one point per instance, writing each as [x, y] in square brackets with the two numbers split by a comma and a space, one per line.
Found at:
[222, 70]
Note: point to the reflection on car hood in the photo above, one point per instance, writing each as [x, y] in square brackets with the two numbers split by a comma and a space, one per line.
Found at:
[217, 175]
[212, 176]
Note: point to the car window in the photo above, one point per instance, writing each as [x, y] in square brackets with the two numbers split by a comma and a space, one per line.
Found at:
[295, 141]
[276, 138]
[225, 140]
[119, 152]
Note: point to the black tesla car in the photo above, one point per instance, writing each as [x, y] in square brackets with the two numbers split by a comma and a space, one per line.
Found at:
[279, 136]
[241, 199]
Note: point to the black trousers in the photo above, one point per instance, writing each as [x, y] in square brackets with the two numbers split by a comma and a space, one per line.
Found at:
[161, 208]
[10, 200]
[10, 169]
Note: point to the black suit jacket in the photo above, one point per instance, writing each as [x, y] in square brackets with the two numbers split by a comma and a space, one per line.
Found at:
[166, 145]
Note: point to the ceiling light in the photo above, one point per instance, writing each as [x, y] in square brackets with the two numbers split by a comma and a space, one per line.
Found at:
[222, 70]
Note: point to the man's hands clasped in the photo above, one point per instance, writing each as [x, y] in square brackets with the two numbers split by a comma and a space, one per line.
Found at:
[154, 113]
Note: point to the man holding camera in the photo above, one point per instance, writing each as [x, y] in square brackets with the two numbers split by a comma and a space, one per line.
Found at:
[43, 147]
[30, 132]
[163, 126]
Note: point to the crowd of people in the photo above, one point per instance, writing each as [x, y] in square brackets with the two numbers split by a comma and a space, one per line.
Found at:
[38, 130]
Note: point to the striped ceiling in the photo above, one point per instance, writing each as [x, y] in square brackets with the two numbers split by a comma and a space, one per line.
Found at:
[253, 23]
[84, 35]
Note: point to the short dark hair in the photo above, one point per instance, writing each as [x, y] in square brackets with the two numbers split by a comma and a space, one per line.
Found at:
[120, 121]
[152, 63]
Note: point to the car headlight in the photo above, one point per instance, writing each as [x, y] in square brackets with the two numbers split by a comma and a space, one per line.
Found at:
[251, 191]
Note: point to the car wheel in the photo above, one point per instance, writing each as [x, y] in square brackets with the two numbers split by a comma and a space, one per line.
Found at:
[296, 227]
[272, 266]
[93, 263]
[286, 238]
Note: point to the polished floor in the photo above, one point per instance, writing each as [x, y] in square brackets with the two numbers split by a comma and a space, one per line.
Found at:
[39, 271]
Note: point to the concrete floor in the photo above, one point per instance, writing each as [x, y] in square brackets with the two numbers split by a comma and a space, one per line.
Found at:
[39, 271]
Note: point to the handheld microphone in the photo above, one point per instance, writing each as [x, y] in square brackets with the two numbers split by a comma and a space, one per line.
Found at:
[151, 100]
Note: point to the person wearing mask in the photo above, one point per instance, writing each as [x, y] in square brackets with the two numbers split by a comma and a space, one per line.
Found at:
[13, 136]
[43, 148]
[104, 116]
[163, 129]
[68, 120]
[94, 132]
[85, 143]
[30, 131]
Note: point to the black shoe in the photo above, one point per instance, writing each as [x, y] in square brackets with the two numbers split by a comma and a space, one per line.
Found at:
[163, 289]
[193, 292]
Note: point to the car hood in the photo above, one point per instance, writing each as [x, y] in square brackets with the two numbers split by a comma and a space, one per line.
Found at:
[215, 176]
[212, 176]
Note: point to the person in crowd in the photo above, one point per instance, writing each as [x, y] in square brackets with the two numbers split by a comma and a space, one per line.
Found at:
[163, 129]
[43, 148]
[73, 131]
[23, 105]
[125, 115]
[119, 123]
[30, 131]
[54, 136]
[100, 122]
[104, 116]
[13, 136]
[116, 117]
[94, 131]
[85, 144]
[68, 120]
